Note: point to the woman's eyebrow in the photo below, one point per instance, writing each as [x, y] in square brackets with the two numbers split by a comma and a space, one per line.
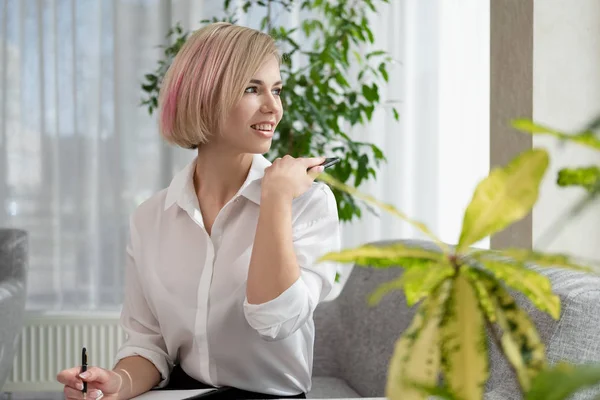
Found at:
[259, 82]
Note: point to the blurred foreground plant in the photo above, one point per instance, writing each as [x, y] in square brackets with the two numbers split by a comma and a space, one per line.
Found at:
[462, 290]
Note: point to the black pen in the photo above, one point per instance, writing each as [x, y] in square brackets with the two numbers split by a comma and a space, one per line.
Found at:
[328, 162]
[83, 368]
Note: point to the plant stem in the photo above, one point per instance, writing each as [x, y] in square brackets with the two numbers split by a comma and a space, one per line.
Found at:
[498, 343]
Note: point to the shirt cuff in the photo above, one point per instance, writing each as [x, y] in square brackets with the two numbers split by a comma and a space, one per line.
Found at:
[278, 318]
[159, 361]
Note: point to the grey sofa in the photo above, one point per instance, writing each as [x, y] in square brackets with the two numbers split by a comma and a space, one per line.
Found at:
[13, 282]
[354, 342]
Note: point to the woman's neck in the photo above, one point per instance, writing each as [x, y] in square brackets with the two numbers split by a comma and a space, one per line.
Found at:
[219, 173]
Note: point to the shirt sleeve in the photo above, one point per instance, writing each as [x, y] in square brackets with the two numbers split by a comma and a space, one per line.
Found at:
[143, 333]
[316, 233]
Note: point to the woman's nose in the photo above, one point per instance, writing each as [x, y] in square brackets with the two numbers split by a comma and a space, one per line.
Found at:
[270, 105]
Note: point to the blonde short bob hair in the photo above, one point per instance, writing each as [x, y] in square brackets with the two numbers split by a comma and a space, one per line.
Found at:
[207, 78]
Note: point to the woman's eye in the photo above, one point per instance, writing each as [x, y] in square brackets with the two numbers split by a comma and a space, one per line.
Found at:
[277, 92]
[251, 89]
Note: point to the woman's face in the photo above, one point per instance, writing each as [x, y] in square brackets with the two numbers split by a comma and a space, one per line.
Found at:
[252, 122]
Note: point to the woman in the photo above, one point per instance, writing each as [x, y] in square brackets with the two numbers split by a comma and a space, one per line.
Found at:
[221, 279]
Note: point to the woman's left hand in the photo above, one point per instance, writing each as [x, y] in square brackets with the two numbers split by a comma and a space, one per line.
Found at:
[291, 177]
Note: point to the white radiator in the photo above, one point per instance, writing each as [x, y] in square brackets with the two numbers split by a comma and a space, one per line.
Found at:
[50, 343]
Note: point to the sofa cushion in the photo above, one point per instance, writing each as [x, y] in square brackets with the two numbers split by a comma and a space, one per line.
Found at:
[330, 388]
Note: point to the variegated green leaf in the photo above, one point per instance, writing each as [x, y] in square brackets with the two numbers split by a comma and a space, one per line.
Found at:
[520, 340]
[504, 197]
[418, 283]
[524, 256]
[587, 138]
[532, 284]
[415, 282]
[385, 206]
[486, 303]
[464, 345]
[416, 357]
[397, 255]
[562, 380]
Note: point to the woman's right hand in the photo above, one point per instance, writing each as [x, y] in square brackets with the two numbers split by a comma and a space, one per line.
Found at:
[101, 383]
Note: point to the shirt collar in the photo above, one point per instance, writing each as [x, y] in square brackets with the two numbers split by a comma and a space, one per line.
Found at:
[181, 190]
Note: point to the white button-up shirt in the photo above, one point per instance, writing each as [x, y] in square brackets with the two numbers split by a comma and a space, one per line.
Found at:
[185, 292]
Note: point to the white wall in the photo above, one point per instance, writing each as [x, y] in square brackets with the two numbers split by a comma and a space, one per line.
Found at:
[566, 95]
[463, 132]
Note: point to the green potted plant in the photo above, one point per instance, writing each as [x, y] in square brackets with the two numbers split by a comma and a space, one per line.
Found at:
[324, 97]
[461, 291]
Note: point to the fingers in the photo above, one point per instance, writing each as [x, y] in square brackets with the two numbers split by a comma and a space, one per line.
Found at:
[75, 394]
[315, 171]
[307, 161]
[312, 161]
[73, 381]
[95, 374]
[69, 377]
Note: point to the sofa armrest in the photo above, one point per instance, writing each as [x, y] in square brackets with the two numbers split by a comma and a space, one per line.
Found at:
[574, 337]
[12, 304]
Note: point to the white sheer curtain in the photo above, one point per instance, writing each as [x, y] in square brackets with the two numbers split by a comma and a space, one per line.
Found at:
[78, 153]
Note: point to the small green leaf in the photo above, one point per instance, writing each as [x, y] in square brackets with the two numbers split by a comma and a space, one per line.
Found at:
[339, 78]
[416, 357]
[368, 93]
[562, 380]
[369, 111]
[375, 54]
[369, 34]
[383, 71]
[463, 342]
[417, 282]
[377, 152]
[352, 98]
[504, 197]
[586, 177]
